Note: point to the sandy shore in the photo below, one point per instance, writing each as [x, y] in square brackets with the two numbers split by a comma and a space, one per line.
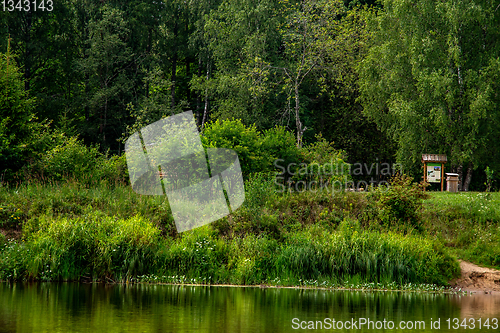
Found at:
[478, 279]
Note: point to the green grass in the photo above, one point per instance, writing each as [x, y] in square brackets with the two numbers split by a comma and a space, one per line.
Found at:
[70, 232]
[71, 199]
[99, 247]
[467, 223]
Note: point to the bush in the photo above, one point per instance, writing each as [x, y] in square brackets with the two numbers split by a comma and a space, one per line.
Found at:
[257, 151]
[72, 160]
[324, 162]
[401, 202]
[280, 144]
[113, 170]
[246, 141]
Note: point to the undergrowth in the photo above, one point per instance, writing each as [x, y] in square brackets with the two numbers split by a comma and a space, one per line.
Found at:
[107, 248]
[64, 231]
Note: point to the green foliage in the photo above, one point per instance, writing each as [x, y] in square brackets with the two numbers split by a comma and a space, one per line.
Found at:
[280, 144]
[10, 216]
[242, 37]
[101, 71]
[468, 223]
[14, 260]
[197, 253]
[71, 159]
[94, 245]
[71, 199]
[428, 79]
[110, 234]
[312, 254]
[369, 255]
[17, 119]
[246, 141]
[106, 56]
[324, 163]
[254, 216]
[400, 202]
[257, 151]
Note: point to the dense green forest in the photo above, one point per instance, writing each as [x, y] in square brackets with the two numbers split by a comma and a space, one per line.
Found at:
[382, 80]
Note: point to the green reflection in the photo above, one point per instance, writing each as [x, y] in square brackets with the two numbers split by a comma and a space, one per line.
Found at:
[72, 307]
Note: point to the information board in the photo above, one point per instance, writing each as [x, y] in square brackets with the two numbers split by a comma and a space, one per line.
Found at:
[433, 172]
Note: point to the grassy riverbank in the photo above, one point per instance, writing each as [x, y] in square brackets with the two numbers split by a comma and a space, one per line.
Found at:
[108, 233]
[468, 224]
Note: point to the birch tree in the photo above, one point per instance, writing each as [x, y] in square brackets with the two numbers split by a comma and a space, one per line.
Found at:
[430, 80]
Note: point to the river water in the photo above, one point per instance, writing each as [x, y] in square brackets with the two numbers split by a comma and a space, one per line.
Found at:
[73, 307]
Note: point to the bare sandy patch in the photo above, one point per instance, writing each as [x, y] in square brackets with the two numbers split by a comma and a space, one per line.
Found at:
[477, 279]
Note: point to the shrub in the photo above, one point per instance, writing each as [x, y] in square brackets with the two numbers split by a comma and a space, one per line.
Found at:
[256, 216]
[246, 141]
[323, 163]
[112, 170]
[399, 202]
[280, 144]
[71, 159]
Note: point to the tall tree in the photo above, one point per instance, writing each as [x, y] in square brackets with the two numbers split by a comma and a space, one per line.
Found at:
[243, 42]
[431, 79]
[45, 45]
[106, 65]
[306, 33]
[332, 92]
[16, 117]
[200, 82]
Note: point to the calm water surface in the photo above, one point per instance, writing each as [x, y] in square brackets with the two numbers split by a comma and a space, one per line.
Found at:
[71, 307]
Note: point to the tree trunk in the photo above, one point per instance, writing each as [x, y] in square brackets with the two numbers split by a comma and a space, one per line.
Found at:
[205, 111]
[460, 177]
[174, 77]
[174, 65]
[468, 177]
[87, 92]
[198, 98]
[27, 51]
[187, 76]
[148, 52]
[105, 116]
[298, 123]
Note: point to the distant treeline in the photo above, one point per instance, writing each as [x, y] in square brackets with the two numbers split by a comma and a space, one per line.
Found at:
[385, 81]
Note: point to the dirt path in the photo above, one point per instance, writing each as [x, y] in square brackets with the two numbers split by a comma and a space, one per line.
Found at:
[478, 279]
